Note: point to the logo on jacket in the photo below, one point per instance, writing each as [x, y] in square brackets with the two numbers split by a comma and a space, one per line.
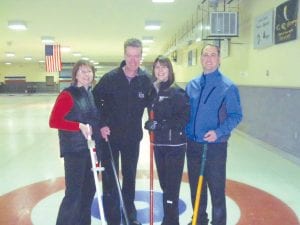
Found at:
[141, 95]
[161, 98]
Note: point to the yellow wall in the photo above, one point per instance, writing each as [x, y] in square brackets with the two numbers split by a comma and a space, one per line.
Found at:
[34, 72]
[277, 65]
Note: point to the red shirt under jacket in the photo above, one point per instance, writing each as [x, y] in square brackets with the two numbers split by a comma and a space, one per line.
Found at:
[62, 107]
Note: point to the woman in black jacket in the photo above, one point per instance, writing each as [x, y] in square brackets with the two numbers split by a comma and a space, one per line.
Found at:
[170, 106]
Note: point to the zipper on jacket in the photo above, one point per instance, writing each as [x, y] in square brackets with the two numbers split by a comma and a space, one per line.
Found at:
[209, 94]
[196, 114]
[170, 135]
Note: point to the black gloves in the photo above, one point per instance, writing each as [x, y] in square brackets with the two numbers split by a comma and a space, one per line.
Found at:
[152, 125]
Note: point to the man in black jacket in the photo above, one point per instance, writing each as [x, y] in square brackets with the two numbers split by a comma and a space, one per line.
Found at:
[122, 95]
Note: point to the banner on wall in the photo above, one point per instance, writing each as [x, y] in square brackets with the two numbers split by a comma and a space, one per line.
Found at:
[263, 30]
[286, 21]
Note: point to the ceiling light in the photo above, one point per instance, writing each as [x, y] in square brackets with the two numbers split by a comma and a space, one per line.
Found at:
[9, 54]
[47, 40]
[77, 54]
[65, 49]
[152, 25]
[28, 58]
[8, 63]
[17, 25]
[198, 39]
[147, 40]
[163, 1]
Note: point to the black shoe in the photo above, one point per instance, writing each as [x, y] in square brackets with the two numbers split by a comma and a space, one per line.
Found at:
[135, 222]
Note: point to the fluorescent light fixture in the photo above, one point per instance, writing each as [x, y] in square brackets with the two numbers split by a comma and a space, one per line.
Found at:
[147, 40]
[28, 58]
[198, 39]
[163, 1]
[47, 39]
[146, 49]
[8, 63]
[9, 54]
[77, 54]
[17, 25]
[65, 49]
[152, 25]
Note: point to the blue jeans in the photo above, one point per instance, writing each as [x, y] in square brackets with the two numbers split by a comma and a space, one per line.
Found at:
[214, 179]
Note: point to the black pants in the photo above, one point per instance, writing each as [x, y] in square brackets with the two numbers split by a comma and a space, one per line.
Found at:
[214, 179]
[75, 208]
[129, 152]
[169, 163]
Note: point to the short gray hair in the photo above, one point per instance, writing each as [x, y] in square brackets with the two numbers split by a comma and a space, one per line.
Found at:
[133, 42]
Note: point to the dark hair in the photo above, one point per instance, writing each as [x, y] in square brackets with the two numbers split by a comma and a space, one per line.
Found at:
[132, 42]
[212, 45]
[76, 67]
[166, 62]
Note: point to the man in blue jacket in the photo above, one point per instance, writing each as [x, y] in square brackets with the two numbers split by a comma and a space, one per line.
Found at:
[215, 112]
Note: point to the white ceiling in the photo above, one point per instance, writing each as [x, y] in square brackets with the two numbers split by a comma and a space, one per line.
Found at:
[96, 28]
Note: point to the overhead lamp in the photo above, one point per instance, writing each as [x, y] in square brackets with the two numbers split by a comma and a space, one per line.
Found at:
[65, 49]
[147, 40]
[198, 39]
[152, 25]
[8, 63]
[163, 1]
[77, 54]
[47, 39]
[17, 25]
[9, 54]
[28, 58]
[146, 49]
[99, 67]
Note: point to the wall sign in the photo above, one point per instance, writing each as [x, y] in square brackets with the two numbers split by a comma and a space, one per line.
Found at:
[286, 21]
[263, 30]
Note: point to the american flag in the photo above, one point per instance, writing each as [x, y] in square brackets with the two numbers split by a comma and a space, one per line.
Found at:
[53, 58]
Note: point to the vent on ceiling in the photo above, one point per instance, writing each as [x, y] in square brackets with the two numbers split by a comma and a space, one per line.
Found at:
[223, 24]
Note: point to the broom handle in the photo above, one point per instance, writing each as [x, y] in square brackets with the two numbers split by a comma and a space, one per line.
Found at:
[199, 186]
[151, 117]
